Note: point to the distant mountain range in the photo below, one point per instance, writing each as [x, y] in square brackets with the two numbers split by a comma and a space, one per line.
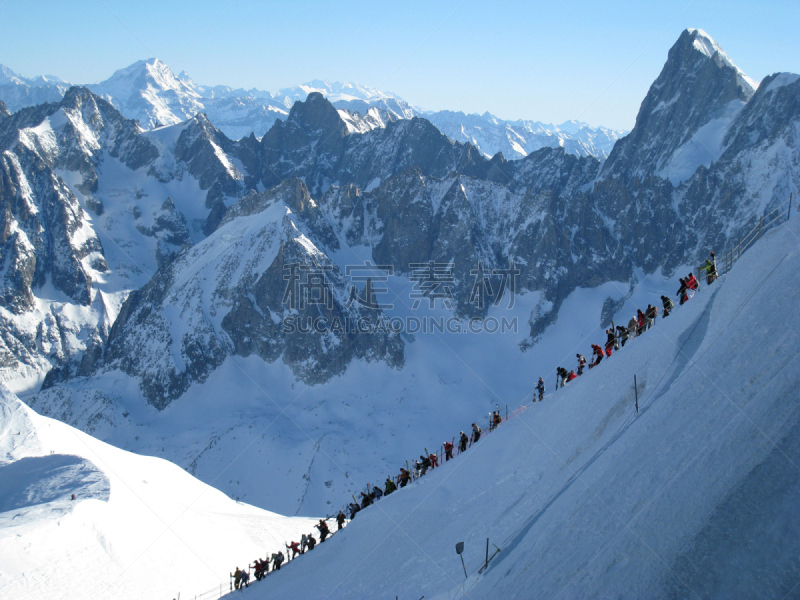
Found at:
[151, 93]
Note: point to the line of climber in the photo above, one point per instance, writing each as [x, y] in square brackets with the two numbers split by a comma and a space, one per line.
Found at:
[418, 468]
[240, 578]
[618, 335]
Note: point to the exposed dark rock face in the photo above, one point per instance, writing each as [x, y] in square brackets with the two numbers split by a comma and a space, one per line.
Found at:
[249, 304]
[696, 84]
[40, 222]
[314, 144]
[170, 229]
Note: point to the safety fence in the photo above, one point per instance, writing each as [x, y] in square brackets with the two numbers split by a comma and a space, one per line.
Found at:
[216, 592]
[780, 213]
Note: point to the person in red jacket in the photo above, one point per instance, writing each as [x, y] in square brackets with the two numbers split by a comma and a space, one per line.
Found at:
[598, 352]
[640, 322]
[692, 283]
[448, 451]
[682, 291]
[295, 548]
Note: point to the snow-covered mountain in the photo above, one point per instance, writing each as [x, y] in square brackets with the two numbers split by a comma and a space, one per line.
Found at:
[92, 206]
[151, 93]
[699, 88]
[697, 495]
[515, 139]
[202, 348]
[358, 98]
[137, 527]
[17, 92]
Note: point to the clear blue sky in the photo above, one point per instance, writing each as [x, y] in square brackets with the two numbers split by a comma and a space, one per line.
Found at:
[548, 61]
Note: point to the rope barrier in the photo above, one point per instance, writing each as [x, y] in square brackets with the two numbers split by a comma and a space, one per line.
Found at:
[734, 253]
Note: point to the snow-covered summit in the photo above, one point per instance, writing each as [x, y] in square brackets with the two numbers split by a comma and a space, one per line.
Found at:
[18, 91]
[9, 76]
[684, 118]
[335, 90]
[704, 43]
[149, 91]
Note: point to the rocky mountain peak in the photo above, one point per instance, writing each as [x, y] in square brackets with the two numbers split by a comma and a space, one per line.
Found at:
[315, 114]
[4, 112]
[78, 97]
[697, 84]
[696, 41]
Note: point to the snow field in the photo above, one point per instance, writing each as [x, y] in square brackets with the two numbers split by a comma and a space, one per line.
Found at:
[695, 497]
[139, 526]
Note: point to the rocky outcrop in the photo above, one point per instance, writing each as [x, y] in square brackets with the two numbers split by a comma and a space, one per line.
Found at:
[266, 290]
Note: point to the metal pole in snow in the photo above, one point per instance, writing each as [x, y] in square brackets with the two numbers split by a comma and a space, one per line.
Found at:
[636, 392]
[487, 554]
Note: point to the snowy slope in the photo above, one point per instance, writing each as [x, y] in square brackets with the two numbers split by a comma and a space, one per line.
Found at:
[139, 526]
[697, 496]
